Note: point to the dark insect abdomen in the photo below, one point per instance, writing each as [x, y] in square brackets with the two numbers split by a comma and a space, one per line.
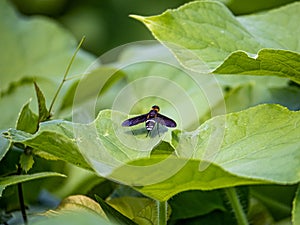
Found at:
[150, 123]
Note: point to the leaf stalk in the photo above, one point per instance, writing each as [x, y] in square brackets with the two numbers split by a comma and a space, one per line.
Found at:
[66, 73]
[236, 206]
[162, 209]
[21, 198]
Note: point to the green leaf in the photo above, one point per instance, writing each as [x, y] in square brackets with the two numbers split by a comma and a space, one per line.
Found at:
[27, 120]
[205, 32]
[112, 214]
[26, 161]
[4, 145]
[195, 203]
[40, 50]
[101, 142]
[266, 133]
[68, 141]
[255, 146]
[272, 62]
[296, 208]
[44, 114]
[163, 178]
[73, 218]
[271, 29]
[80, 203]
[278, 199]
[55, 138]
[15, 179]
[163, 148]
[140, 210]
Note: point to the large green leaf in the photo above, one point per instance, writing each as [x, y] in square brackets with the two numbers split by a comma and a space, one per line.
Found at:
[33, 48]
[162, 178]
[276, 28]
[206, 32]
[207, 29]
[104, 141]
[281, 63]
[258, 145]
[11, 180]
[260, 142]
[54, 140]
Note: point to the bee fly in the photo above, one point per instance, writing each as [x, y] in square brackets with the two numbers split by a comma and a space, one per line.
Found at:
[151, 118]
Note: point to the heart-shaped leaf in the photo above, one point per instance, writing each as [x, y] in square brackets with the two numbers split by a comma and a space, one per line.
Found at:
[205, 32]
[258, 145]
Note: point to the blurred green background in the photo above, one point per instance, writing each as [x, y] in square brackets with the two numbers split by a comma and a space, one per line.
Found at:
[106, 24]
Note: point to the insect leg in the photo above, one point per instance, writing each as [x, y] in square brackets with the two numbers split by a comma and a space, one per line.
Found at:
[148, 132]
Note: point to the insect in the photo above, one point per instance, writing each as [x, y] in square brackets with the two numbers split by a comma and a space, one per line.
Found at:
[151, 118]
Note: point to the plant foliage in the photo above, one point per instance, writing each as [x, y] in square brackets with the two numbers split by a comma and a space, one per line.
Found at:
[206, 171]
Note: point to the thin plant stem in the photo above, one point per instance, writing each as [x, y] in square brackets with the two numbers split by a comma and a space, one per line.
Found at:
[21, 198]
[236, 206]
[162, 209]
[66, 73]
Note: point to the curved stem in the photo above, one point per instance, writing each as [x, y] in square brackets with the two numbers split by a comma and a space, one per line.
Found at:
[66, 73]
[236, 206]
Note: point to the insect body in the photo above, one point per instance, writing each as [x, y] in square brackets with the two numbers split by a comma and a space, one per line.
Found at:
[151, 118]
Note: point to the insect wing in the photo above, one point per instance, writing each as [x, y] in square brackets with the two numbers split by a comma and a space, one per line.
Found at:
[166, 121]
[135, 120]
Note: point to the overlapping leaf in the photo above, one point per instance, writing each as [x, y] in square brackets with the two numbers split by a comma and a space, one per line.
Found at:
[272, 62]
[258, 145]
[207, 32]
[55, 140]
[264, 138]
[11, 180]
